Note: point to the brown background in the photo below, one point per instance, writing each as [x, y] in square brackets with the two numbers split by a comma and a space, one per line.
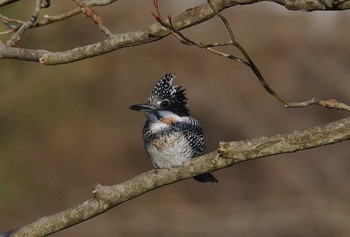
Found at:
[65, 128]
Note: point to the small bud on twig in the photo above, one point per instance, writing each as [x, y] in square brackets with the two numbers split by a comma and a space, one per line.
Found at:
[155, 3]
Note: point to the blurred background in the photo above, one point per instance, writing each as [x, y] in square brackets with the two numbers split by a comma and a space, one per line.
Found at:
[65, 128]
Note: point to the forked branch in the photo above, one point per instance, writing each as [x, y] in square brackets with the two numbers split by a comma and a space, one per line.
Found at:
[246, 60]
[154, 32]
[89, 11]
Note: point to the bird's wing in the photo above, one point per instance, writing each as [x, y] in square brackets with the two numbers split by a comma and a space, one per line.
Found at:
[193, 133]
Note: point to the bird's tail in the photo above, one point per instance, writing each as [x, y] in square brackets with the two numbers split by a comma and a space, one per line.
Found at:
[207, 177]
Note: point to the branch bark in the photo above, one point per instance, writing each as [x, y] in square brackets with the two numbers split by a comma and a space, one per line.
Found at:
[228, 154]
[156, 31]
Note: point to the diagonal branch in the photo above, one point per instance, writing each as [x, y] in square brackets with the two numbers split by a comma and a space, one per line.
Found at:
[154, 32]
[7, 2]
[16, 37]
[228, 154]
[248, 61]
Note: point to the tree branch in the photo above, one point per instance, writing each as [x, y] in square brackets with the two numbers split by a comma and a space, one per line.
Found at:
[247, 61]
[7, 2]
[89, 11]
[16, 37]
[154, 32]
[228, 154]
[330, 104]
[305, 5]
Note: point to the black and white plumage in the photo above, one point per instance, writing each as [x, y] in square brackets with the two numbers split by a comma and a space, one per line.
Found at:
[171, 136]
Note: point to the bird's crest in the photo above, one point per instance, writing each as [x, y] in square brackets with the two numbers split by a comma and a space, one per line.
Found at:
[164, 90]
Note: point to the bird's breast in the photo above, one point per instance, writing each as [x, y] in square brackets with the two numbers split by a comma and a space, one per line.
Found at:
[168, 150]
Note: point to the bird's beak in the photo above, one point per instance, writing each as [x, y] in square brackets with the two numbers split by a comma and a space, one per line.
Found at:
[142, 107]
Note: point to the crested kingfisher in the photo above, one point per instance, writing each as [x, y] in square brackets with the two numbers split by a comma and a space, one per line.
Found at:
[171, 136]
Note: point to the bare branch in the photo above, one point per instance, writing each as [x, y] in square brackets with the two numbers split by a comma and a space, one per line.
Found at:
[228, 154]
[248, 62]
[305, 5]
[12, 24]
[7, 2]
[51, 19]
[46, 4]
[330, 104]
[154, 32]
[90, 12]
[99, 2]
[16, 37]
[187, 41]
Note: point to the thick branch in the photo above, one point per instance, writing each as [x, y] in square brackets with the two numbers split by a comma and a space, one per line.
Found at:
[155, 32]
[305, 5]
[228, 154]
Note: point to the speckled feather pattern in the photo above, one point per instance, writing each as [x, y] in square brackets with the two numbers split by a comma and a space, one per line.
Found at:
[171, 136]
[164, 88]
[173, 144]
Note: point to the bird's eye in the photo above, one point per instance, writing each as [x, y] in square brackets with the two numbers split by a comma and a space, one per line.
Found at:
[164, 103]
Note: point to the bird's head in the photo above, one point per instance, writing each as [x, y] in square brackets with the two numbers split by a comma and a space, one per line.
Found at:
[165, 97]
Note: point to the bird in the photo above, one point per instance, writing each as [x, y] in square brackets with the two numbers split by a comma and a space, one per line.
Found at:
[171, 136]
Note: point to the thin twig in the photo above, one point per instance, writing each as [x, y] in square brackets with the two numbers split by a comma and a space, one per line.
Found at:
[90, 12]
[151, 33]
[99, 2]
[331, 104]
[46, 4]
[6, 2]
[6, 32]
[16, 24]
[51, 19]
[246, 55]
[16, 37]
[248, 62]
[12, 24]
[187, 41]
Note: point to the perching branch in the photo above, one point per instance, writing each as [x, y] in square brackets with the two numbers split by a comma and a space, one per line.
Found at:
[228, 154]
